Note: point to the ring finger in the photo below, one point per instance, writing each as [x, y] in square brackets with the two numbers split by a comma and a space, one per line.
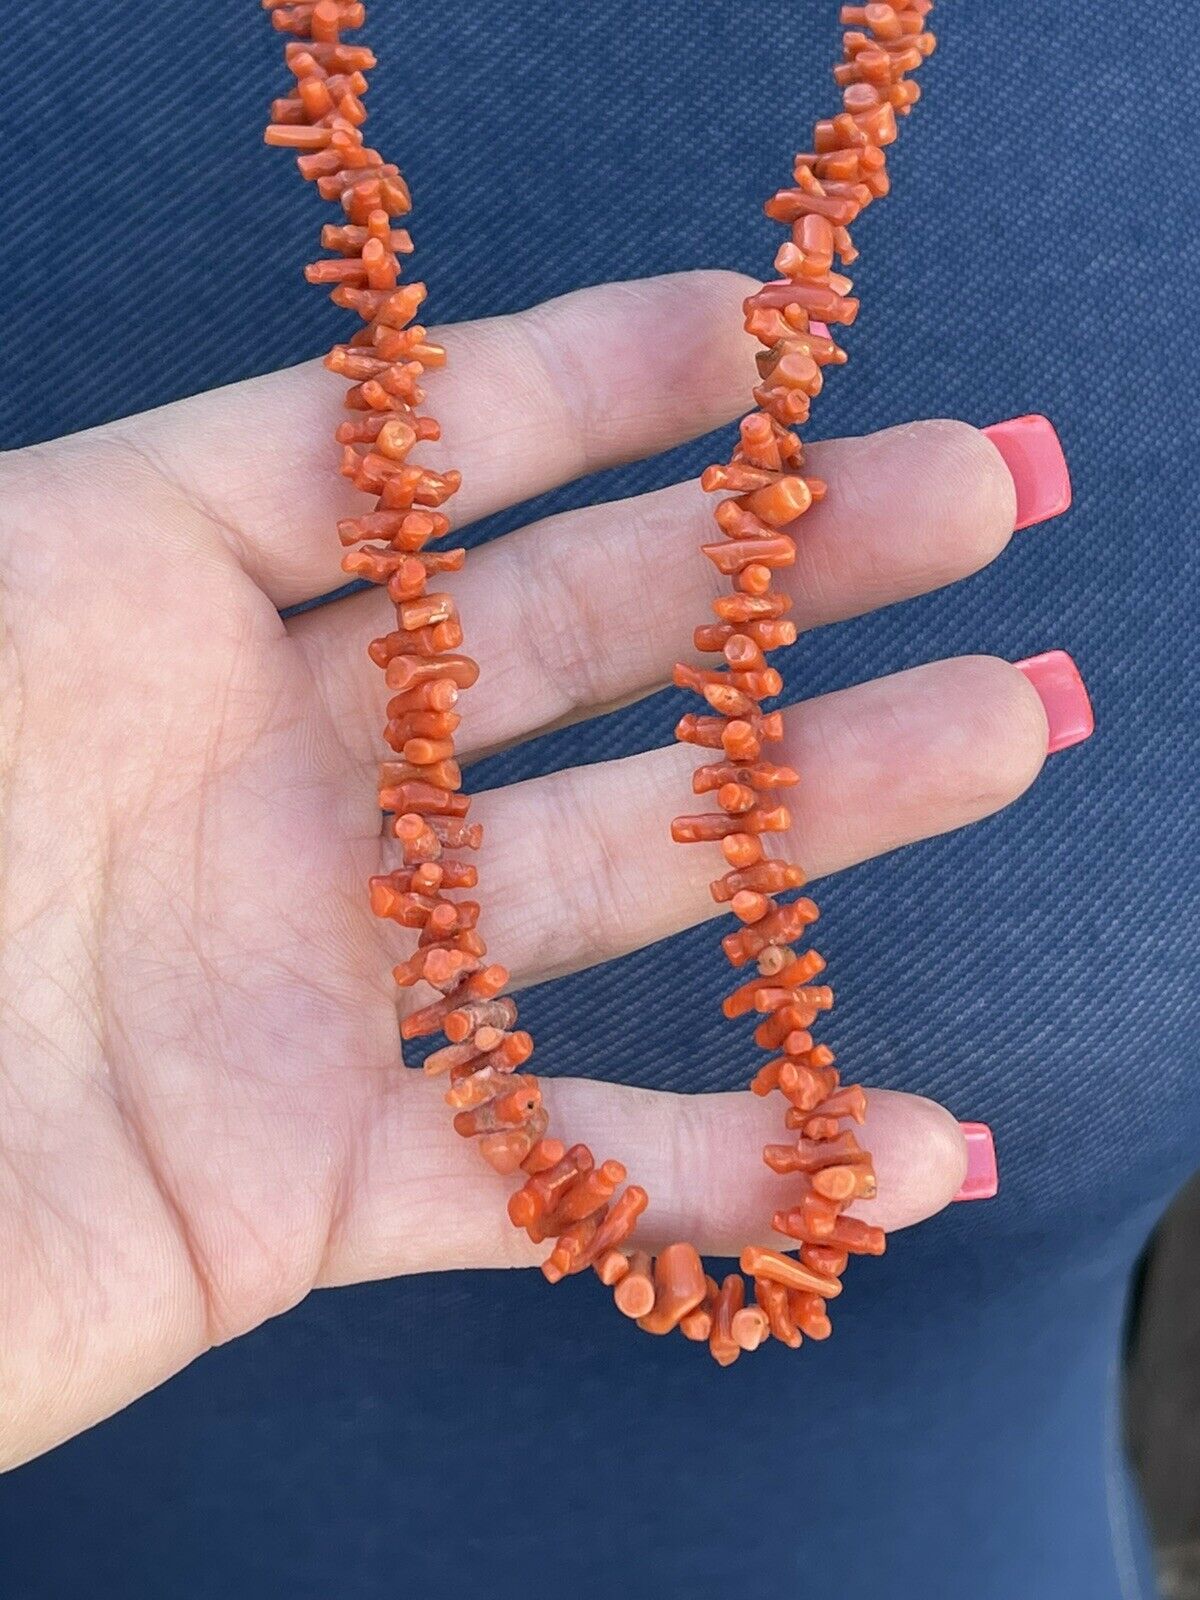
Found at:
[579, 867]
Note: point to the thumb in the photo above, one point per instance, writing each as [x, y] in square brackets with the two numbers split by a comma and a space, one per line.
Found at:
[421, 1200]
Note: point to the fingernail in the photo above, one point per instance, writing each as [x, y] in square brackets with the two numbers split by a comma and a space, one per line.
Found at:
[982, 1181]
[1064, 695]
[1033, 454]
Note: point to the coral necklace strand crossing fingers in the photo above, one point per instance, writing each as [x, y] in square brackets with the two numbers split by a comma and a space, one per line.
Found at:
[583, 1208]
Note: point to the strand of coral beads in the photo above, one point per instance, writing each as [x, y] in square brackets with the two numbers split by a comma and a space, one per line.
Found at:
[566, 1196]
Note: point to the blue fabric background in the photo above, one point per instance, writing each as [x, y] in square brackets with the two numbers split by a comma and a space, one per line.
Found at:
[456, 1436]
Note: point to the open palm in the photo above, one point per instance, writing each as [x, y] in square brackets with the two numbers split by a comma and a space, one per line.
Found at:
[203, 1111]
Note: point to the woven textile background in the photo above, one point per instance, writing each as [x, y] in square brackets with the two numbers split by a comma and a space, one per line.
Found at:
[475, 1435]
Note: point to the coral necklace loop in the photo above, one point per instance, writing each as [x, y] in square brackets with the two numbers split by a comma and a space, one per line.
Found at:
[584, 1208]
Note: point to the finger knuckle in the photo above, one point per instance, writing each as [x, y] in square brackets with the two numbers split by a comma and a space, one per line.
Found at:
[565, 640]
[589, 879]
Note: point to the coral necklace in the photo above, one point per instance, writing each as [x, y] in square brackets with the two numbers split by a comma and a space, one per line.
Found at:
[566, 1195]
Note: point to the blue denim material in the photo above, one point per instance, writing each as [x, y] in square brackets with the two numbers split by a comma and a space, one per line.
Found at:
[456, 1436]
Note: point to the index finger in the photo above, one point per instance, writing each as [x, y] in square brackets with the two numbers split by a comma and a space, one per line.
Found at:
[525, 402]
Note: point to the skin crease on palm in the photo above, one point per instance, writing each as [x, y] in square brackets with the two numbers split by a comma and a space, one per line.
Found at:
[203, 1111]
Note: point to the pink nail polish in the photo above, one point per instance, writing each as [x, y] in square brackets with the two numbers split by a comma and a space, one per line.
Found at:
[1065, 698]
[982, 1181]
[1034, 456]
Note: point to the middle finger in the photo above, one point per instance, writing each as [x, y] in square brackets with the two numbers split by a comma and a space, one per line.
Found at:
[584, 610]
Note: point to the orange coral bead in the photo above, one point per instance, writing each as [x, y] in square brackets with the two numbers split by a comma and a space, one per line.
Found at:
[618, 1223]
[565, 1193]
[722, 1343]
[772, 1297]
[757, 1262]
[679, 1287]
[587, 1197]
[462, 1023]
[634, 1293]
[749, 1327]
[612, 1267]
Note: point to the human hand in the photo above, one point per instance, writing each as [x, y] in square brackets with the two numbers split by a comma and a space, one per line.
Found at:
[203, 1113]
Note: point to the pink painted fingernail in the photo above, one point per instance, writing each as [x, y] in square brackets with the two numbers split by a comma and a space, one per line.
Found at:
[1065, 698]
[1033, 454]
[982, 1181]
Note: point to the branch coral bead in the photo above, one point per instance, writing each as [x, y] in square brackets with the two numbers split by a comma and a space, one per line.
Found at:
[584, 1208]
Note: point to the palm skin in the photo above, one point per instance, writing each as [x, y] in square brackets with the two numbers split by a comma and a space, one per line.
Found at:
[197, 999]
[203, 1111]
